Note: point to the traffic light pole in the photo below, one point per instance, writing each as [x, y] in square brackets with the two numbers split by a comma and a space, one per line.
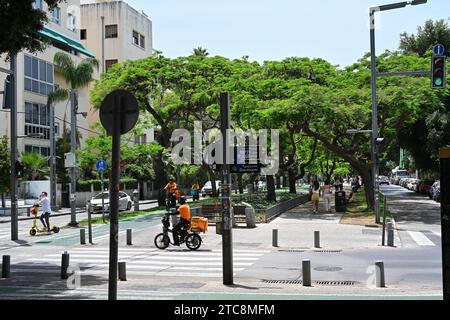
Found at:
[73, 145]
[13, 118]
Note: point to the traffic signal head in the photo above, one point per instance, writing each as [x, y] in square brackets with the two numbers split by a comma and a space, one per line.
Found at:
[7, 93]
[19, 169]
[438, 72]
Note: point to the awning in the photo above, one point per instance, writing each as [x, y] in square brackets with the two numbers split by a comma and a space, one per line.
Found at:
[62, 39]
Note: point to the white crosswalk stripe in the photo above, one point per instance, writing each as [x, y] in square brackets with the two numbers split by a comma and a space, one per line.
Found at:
[145, 262]
[421, 239]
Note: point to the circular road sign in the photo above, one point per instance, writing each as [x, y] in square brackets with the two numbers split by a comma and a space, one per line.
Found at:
[439, 49]
[128, 111]
[101, 165]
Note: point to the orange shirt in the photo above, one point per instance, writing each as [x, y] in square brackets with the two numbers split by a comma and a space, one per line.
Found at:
[171, 186]
[185, 212]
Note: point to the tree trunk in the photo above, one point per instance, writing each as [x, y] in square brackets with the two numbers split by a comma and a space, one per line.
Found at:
[240, 184]
[3, 200]
[292, 179]
[278, 178]
[368, 188]
[271, 195]
[160, 178]
[212, 178]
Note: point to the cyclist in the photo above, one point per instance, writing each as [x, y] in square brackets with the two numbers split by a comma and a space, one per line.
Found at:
[195, 191]
[171, 188]
[47, 210]
[185, 219]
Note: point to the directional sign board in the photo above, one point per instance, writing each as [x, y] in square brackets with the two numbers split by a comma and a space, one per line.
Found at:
[101, 165]
[128, 109]
[246, 160]
[439, 49]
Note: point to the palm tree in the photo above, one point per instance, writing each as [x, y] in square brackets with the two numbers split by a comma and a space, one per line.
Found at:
[35, 166]
[201, 52]
[76, 76]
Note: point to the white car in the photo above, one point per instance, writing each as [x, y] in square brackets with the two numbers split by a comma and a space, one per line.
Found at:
[125, 202]
[207, 188]
[261, 185]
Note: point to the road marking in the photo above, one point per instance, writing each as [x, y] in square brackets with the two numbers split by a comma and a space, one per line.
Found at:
[421, 239]
[437, 233]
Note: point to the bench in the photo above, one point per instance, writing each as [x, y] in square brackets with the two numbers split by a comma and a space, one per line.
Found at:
[214, 213]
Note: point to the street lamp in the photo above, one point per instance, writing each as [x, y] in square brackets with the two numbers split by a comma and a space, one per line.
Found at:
[372, 11]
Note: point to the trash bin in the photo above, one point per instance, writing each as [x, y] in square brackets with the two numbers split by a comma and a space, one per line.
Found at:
[340, 201]
[250, 217]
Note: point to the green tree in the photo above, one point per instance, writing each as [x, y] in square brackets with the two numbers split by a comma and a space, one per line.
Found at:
[5, 167]
[35, 166]
[201, 52]
[19, 24]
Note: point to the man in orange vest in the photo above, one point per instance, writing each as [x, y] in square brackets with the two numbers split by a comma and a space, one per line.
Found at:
[185, 220]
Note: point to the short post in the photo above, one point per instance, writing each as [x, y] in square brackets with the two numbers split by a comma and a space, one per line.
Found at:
[6, 267]
[64, 265]
[275, 237]
[83, 236]
[122, 271]
[90, 221]
[383, 237]
[379, 273]
[129, 237]
[316, 239]
[306, 273]
[390, 234]
[136, 200]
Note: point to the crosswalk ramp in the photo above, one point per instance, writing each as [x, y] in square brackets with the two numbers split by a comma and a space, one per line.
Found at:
[145, 262]
[82, 293]
[421, 238]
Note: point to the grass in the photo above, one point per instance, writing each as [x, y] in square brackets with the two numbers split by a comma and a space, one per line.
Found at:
[357, 212]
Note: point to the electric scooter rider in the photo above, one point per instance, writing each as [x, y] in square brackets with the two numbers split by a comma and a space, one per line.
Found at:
[47, 210]
[185, 219]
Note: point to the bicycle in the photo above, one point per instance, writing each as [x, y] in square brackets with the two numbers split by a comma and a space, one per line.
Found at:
[187, 235]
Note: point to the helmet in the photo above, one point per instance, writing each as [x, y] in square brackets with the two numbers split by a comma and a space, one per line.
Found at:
[182, 200]
[172, 178]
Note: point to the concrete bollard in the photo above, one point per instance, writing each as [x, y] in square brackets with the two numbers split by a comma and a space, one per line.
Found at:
[275, 237]
[390, 234]
[83, 236]
[129, 237]
[6, 267]
[122, 271]
[136, 200]
[379, 273]
[316, 239]
[64, 265]
[306, 273]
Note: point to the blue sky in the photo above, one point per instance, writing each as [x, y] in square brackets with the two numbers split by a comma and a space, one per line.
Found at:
[336, 30]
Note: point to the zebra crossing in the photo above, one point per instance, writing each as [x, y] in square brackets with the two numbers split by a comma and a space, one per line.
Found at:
[145, 262]
[422, 238]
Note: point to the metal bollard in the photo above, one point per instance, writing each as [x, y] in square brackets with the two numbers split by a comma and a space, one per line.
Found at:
[316, 239]
[275, 237]
[122, 271]
[306, 273]
[379, 272]
[83, 236]
[64, 265]
[136, 200]
[6, 267]
[390, 234]
[129, 237]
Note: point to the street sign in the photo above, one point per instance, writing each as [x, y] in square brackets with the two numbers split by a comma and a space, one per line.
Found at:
[101, 165]
[246, 160]
[70, 160]
[439, 49]
[128, 109]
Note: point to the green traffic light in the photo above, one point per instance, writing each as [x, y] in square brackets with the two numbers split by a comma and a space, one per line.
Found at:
[438, 82]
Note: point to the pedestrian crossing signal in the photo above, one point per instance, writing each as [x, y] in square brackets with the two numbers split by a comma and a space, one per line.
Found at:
[438, 72]
[19, 169]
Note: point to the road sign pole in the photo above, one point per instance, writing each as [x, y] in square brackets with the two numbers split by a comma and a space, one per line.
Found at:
[114, 200]
[103, 197]
[73, 147]
[444, 155]
[227, 219]
[13, 118]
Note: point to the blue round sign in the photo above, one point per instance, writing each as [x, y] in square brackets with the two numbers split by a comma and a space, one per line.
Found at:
[101, 165]
[439, 49]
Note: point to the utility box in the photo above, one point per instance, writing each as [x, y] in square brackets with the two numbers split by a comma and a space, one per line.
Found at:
[340, 201]
[70, 160]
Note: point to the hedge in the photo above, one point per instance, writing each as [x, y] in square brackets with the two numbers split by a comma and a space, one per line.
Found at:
[85, 185]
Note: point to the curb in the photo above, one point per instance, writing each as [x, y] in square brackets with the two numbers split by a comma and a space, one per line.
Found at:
[30, 218]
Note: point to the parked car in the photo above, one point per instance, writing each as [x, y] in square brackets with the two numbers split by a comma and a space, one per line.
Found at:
[435, 191]
[207, 188]
[125, 202]
[425, 186]
[383, 180]
[413, 184]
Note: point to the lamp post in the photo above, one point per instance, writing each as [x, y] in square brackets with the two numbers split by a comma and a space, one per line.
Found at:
[374, 74]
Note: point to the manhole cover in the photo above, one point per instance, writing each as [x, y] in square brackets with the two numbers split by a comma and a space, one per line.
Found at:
[328, 269]
[334, 283]
[328, 251]
[291, 250]
[283, 281]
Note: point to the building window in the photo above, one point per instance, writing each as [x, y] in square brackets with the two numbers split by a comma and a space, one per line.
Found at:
[56, 15]
[83, 34]
[142, 41]
[71, 22]
[135, 38]
[38, 76]
[37, 120]
[38, 4]
[111, 31]
[110, 63]
[44, 151]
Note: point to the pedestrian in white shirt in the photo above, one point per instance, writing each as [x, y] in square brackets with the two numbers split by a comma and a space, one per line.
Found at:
[47, 210]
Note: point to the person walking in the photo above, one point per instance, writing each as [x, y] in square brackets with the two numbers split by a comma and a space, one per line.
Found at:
[315, 196]
[327, 192]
